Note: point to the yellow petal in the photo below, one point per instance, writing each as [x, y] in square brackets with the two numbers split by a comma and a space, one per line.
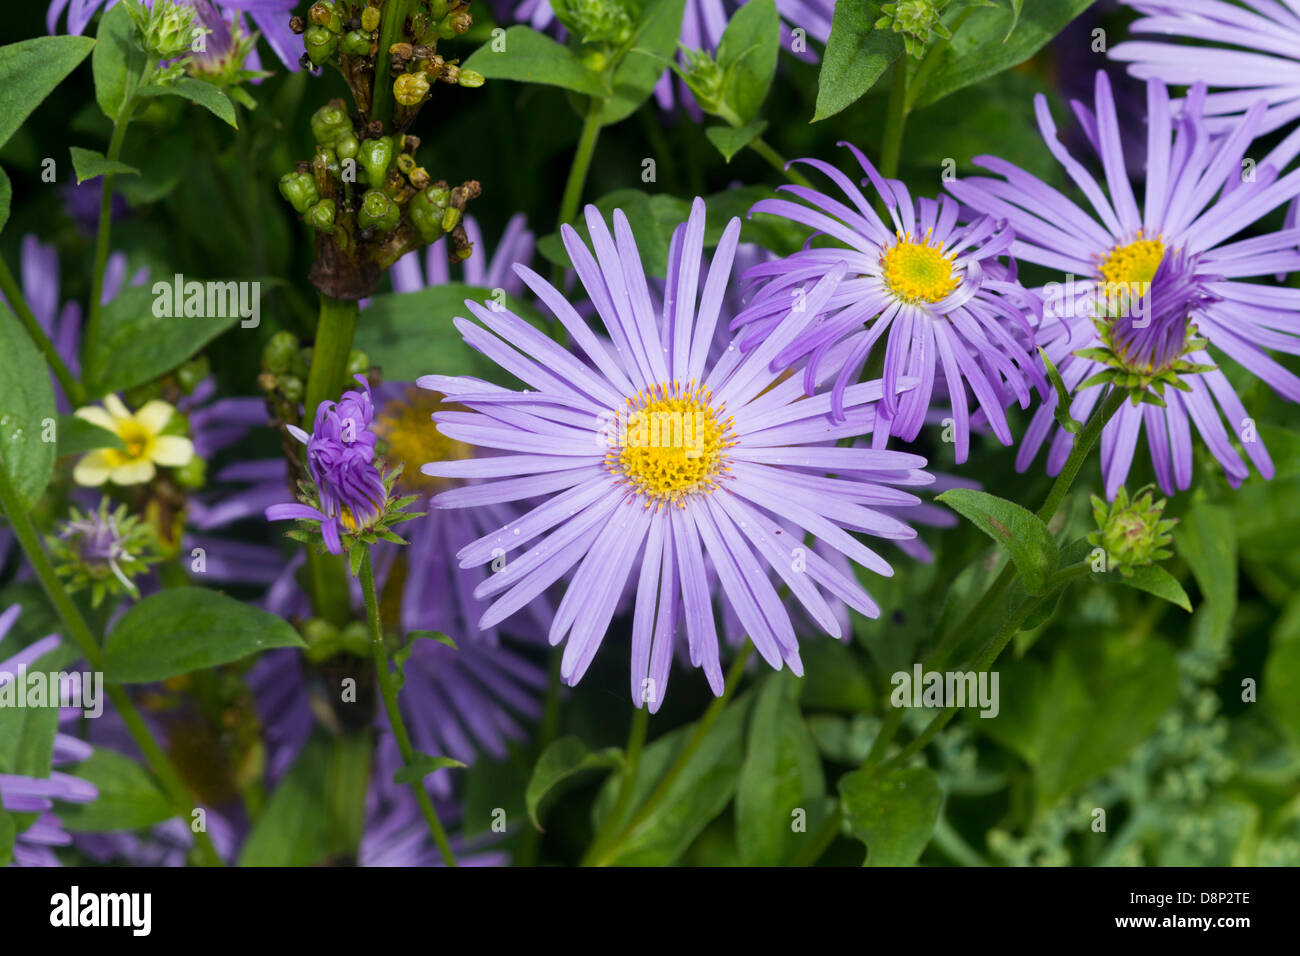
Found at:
[154, 416]
[92, 469]
[132, 473]
[115, 406]
[172, 451]
[97, 416]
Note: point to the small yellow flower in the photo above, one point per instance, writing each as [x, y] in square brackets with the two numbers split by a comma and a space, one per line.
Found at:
[141, 433]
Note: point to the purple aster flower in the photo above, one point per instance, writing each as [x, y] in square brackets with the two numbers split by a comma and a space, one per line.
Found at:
[341, 460]
[23, 793]
[937, 291]
[270, 16]
[653, 452]
[1194, 201]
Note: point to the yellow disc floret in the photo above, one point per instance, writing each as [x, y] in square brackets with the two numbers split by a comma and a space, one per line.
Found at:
[406, 426]
[916, 271]
[1133, 263]
[670, 443]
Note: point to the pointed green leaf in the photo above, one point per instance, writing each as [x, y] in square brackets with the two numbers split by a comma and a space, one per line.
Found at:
[29, 72]
[561, 765]
[1016, 531]
[89, 164]
[422, 766]
[893, 814]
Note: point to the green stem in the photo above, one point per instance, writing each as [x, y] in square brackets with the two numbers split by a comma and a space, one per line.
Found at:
[75, 626]
[777, 162]
[631, 764]
[582, 154]
[679, 765]
[14, 293]
[385, 677]
[102, 237]
[891, 144]
[394, 13]
[531, 842]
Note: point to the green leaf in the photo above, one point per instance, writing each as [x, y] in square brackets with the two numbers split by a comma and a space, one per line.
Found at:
[29, 72]
[78, 436]
[699, 793]
[180, 630]
[8, 833]
[1206, 539]
[26, 406]
[532, 57]
[991, 40]
[135, 345]
[730, 140]
[856, 56]
[652, 49]
[1016, 531]
[564, 763]
[834, 678]
[116, 61]
[781, 775]
[432, 636]
[1281, 687]
[1156, 580]
[196, 91]
[129, 799]
[422, 766]
[1085, 711]
[893, 814]
[27, 733]
[88, 164]
[6, 197]
[409, 334]
[293, 828]
[747, 56]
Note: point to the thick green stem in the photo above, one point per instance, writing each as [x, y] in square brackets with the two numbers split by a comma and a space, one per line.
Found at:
[777, 162]
[14, 293]
[384, 676]
[631, 764]
[76, 628]
[891, 144]
[665, 784]
[394, 13]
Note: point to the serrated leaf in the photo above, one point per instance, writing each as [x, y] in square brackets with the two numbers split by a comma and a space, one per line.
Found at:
[89, 164]
[26, 405]
[564, 763]
[1015, 530]
[730, 140]
[29, 72]
[893, 814]
[857, 54]
[180, 630]
[196, 91]
[532, 57]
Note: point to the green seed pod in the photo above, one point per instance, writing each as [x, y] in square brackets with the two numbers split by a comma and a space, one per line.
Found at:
[291, 388]
[347, 146]
[378, 210]
[370, 19]
[449, 219]
[425, 216]
[299, 189]
[323, 13]
[410, 89]
[329, 124]
[355, 43]
[189, 375]
[321, 215]
[321, 44]
[470, 79]
[279, 352]
[191, 474]
[358, 363]
[375, 156]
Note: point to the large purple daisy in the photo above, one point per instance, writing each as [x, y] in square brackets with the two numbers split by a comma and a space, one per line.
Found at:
[652, 454]
[938, 293]
[1173, 252]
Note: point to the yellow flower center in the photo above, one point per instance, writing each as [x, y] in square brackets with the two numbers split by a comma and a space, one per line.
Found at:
[406, 426]
[918, 271]
[670, 443]
[1134, 263]
[138, 442]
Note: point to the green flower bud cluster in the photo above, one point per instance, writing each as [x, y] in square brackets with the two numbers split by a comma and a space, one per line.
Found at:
[285, 363]
[324, 640]
[602, 23]
[165, 30]
[1132, 533]
[708, 84]
[917, 20]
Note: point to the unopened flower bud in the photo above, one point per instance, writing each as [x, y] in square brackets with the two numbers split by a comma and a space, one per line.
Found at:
[291, 388]
[358, 363]
[279, 352]
[192, 474]
[410, 89]
[355, 43]
[299, 189]
[329, 124]
[1133, 534]
[370, 19]
[321, 44]
[347, 147]
[450, 218]
[470, 79]
[375, 156]
[190, 374]
[377, 211]
[324, 14]
[321, 215]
